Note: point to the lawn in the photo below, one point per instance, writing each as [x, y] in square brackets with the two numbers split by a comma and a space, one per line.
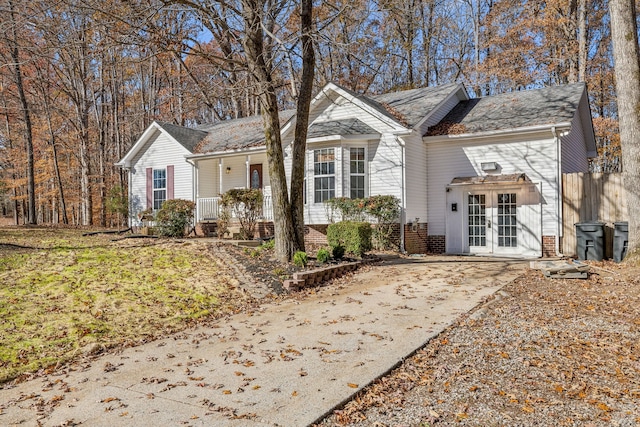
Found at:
[63, 294]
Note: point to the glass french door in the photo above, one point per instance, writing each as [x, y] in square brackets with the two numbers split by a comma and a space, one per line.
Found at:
[492, 222]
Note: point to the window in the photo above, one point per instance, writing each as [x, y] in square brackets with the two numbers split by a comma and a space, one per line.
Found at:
[159, 188]
[356, 169]
[324, 169]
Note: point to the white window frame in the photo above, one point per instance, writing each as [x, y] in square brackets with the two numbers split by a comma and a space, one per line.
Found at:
[159, 193]
[318, 174]
[362, 174]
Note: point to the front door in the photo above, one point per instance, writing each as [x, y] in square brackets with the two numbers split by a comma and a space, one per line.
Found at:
[492, 222]
[255, 176]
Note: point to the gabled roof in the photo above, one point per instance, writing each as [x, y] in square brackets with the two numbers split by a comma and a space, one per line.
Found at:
[235, 134]
[406, 107]
[512, 110]
[187, 137]
[346, 127]
[414, 104]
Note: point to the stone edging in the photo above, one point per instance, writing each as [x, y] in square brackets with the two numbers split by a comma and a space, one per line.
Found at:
[315, 277]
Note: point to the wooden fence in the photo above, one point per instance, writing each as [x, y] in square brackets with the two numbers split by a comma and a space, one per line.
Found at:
[592, 197]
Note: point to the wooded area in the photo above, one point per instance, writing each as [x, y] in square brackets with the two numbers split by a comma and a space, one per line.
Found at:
[81, 80]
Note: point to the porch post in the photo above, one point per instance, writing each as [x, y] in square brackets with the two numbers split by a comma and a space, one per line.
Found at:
[220, 164]
[247, 164]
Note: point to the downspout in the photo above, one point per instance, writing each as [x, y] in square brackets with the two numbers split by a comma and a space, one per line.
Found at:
[557, 139]
[403, 195]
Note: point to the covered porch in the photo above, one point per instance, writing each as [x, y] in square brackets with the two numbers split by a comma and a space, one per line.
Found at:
[214, 175]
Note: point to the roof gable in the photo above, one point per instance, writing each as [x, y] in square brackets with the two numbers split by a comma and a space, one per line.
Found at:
[512, 110]
[186, 137]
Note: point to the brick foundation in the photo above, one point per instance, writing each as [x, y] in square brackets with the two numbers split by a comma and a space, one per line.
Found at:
[548, 246]
[315, 234]
[436, 244]
[415, 238]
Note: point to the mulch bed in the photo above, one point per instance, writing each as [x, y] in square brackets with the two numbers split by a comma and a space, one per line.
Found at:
[551, 352]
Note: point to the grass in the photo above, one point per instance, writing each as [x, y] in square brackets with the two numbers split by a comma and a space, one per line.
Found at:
[66, 293]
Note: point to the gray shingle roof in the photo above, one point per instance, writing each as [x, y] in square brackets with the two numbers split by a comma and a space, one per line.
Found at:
[408, 107]
[546, 106]
[236, 134]
[414, 104]
[187, 137]
[339, 127]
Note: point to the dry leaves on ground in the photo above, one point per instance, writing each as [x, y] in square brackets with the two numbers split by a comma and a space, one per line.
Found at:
[545, 352]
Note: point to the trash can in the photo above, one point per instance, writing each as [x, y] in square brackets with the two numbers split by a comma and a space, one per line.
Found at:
[590, 240]
[620, 240]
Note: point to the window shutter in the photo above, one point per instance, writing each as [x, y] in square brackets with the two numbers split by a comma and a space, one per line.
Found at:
[170, 182]
[149, 188]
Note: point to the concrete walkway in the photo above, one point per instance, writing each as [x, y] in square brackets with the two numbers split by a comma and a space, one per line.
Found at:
[286, 364]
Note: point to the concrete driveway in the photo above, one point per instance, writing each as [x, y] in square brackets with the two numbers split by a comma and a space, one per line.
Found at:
[286, 364]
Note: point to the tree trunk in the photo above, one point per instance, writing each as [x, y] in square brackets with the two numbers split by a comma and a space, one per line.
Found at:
[26, 114]
[582, 40]
[302, 122]
[626, 55]
[262, 73]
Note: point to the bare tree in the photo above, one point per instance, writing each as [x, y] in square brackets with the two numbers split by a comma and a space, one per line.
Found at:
[626, 55]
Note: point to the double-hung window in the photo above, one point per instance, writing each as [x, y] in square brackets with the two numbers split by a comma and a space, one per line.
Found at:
[324, 178]
[159, 188]
[356, 172]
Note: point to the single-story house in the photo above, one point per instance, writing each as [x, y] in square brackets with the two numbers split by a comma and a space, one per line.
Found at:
[473, 175]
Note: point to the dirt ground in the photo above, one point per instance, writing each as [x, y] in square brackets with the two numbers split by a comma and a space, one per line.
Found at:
[543, 352]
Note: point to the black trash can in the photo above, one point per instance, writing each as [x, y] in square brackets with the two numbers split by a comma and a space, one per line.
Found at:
[620, 240]
[590, 240]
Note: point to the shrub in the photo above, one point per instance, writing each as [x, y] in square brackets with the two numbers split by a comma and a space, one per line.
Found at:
[346, 208]
[386, 211]
[337, 251]
[354, 237]
[268, 245]
[300, 259]
[247, 205]
[174, 217]
[323, 256]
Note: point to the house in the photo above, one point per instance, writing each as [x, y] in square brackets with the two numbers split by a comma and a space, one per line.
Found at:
[473, 175]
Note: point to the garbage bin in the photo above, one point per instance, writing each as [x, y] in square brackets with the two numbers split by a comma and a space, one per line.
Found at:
[620, 240]
[590, 240]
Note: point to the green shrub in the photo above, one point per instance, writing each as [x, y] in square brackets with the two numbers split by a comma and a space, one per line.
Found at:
[323, 256]
[354, 237]
[300, 259]
[345, 209]
[337, 251]
[174, 217]
[386, 211]
[247, 205]
[268, 245]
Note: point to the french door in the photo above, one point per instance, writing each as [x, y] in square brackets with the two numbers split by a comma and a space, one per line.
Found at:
[492, 222]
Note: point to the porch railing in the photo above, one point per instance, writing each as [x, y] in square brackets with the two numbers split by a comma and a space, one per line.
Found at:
[208, 208]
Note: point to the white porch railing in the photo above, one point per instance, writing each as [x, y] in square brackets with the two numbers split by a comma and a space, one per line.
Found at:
[208, 208]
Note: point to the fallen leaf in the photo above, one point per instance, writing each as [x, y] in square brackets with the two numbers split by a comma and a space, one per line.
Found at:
[352, 385]
[295, 393]
[226, 392]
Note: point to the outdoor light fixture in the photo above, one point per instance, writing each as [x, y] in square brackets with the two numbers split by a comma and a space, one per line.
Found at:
[228, 170]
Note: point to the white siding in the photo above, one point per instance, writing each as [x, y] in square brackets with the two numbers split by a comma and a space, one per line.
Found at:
[416, 179]
[208, 178]
[159, 152]
[574, 150]
[451, 159]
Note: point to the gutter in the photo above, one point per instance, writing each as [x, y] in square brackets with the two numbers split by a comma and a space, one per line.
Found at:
[495, 133]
